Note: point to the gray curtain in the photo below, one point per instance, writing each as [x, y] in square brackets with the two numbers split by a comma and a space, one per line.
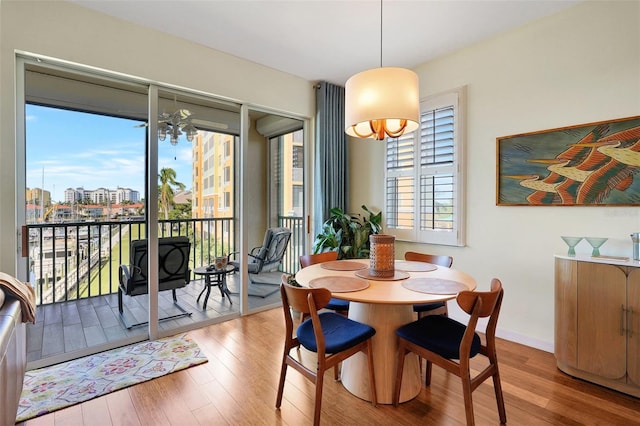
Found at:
[330, 168]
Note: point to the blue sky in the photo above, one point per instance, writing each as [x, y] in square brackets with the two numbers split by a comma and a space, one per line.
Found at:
[74, 149]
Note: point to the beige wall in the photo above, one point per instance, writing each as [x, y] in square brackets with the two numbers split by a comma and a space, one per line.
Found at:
[66, 31]
[580, 66]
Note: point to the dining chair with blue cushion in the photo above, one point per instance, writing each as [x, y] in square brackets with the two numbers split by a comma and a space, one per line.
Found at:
[338, 305]
[436, 308]
[331, 336]
[442, 340]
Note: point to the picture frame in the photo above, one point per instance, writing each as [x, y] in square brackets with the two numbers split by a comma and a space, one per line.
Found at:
[594, 164]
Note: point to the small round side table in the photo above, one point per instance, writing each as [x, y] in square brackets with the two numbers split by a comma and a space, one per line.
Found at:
[214, 277]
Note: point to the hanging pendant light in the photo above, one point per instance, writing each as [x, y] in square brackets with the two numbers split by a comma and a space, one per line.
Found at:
[382, 102]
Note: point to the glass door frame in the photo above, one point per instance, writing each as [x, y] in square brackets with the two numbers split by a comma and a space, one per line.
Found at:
[153, 89]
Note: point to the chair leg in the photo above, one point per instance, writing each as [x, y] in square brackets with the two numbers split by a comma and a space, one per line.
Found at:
[468, 401]
[444, 311]
[499, 397]
[402, 352]
[120, 300]
[283, 374]
[184, 313]
[121, 309]
[372, 375]
[318, 404]
[129, 326]
[336, 375]
[124, 321]
[427, 373]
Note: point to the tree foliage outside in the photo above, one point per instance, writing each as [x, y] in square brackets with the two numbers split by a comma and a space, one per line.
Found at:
[181, 211]
[166, 190]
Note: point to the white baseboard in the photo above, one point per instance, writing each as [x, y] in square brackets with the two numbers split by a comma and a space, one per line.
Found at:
[511, 336]
[543, 345]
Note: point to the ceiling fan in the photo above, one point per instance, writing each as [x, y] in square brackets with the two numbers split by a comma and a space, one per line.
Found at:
[175, 124]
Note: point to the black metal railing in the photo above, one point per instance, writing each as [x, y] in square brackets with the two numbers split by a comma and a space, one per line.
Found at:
[291, 262]
[76, 260]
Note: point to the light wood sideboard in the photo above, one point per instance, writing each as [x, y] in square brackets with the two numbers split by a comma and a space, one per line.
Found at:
[597, 320]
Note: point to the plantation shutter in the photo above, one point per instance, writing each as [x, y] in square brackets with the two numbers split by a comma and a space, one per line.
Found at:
[424, 186]
[400, 182]
[437, 200]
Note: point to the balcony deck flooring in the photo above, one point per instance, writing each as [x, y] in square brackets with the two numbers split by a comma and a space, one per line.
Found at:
[62, 329]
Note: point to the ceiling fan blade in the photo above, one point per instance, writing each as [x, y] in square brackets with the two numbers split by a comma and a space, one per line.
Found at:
[184, 113]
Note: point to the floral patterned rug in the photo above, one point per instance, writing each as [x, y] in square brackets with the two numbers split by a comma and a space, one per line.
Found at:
[52, 388]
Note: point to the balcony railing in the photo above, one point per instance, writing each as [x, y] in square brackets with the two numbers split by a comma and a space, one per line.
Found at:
[76, 260]
[291, 262]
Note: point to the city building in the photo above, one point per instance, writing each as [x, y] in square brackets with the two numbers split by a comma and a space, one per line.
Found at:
[101, 195]
[213, 180]
[38, 197]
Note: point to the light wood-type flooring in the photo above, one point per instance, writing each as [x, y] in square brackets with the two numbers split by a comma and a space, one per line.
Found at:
[238, 387]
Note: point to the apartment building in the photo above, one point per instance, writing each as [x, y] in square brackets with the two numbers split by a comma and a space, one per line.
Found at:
[101, 195]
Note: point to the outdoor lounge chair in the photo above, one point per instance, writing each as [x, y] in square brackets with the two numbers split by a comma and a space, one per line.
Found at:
[268, 256]
[173, 271]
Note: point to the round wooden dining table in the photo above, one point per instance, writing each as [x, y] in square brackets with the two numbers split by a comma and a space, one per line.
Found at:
[385, 304]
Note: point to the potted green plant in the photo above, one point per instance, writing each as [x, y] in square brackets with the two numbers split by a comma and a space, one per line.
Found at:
[348, 234]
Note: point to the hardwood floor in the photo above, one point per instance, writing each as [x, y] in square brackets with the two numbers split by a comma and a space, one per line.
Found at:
[238, 387]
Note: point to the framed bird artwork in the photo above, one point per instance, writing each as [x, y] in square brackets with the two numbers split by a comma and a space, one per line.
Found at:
[591, 164]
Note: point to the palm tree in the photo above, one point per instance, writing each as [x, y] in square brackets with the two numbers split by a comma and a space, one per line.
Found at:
[168, 181]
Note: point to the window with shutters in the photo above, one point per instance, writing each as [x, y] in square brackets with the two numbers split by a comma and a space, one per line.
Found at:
[424, 175]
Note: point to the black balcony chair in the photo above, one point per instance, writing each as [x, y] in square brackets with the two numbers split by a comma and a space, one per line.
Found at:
[173, 272]
[267, 257]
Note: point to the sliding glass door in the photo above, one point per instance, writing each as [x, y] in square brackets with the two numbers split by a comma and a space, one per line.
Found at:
[84, 204]
[197, 140]
[107, 196]
[287, 189]
[127, 183]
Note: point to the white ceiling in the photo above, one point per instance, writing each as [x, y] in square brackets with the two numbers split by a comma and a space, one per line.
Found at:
[333, 39]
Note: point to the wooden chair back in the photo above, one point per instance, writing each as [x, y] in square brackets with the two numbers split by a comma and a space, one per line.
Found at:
[304, 299]
[436, 259]
[312, 259]
[485, 302]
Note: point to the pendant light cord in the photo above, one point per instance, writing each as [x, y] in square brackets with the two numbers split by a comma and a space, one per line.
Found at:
[380, 33]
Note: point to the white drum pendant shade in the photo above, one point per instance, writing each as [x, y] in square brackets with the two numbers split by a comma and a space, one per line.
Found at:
[382, 102]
